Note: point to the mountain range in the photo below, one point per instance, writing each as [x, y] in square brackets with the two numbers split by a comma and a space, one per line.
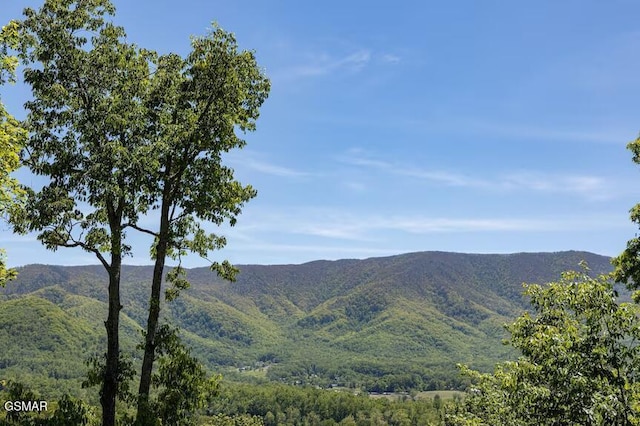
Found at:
[383, 324]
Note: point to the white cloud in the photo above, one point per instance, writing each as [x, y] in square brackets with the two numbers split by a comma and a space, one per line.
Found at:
[311, 251]
[324, 64]
[8, 237]
[434, 225]
[517, 131]
[254, 161]
[592, 187]
[390, 58]
[444, 177]
[354, 61]
[355, 186]
[273, 169]
[587, 186]
[333, 224]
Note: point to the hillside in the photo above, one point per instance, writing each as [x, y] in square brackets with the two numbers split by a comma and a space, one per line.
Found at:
[387, 323]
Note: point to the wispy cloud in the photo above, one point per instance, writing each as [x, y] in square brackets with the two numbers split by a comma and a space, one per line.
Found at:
[10, 238]
[594, 187]
[370, 227]
[256, 162]
[439, 176]
[273, 169]
[354, 186]
[331, 234]
[323, 64]
[587, 186]
[518, 131]
[389, 58]
[328, 56]
[303, 252]
[366, 228]
[432, 225]
[478, 128]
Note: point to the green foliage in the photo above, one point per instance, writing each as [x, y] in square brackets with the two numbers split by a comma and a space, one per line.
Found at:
[243, 420]
[181, 384]
[12, 138]
[96, 370]
[69, 411]
[91, 162]
[87, 135]
[254, 330]
[120, 131]
[181, 381]
[51, 358]
[194, 106]
[628, 262]
[286, 405]
[16, 391]
[579, 365]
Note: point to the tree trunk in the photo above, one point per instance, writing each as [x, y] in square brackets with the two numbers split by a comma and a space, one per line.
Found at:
[154, 314]
[110, 382]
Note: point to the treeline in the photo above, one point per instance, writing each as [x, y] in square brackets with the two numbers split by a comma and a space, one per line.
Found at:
[241, 404]
[367, 375]
[289, 405]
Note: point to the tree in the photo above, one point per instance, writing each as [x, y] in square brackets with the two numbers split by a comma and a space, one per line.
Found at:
[627, 264]
[121, 131]
[242, 420]
[579, 365]
[87, 135]
[182, 382]
[194, 107]
[12, 137]
[69, 411]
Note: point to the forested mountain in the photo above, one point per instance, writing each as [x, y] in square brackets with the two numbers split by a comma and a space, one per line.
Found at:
[392, 323]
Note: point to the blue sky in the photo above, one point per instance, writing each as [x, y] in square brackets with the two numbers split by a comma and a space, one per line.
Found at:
[488, 127]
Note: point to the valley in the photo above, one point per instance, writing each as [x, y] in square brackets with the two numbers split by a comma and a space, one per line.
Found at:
[392, 324]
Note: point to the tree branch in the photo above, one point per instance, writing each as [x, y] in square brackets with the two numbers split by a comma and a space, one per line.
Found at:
[138, 228]
[74, 243]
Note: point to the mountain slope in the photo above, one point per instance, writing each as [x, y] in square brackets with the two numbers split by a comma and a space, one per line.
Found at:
[385, 323]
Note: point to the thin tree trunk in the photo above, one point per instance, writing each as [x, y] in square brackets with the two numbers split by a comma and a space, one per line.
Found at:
[154, 314]
[110, 382]
[109, 392]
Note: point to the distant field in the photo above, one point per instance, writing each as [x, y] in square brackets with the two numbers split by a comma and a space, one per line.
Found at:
[444, 394]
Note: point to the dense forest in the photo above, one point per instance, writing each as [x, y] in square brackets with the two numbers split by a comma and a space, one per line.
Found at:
[391, 325]
[273, 404]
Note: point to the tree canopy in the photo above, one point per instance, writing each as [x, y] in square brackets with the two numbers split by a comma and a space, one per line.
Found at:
[628, 262]
[579, 365]
[121, 131]
[193, 108]
[12, 137]
[86, 136]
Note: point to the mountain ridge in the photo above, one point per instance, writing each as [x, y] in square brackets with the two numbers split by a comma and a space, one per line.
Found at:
[388, 323]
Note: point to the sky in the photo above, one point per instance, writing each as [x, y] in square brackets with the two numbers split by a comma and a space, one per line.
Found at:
[466, 126]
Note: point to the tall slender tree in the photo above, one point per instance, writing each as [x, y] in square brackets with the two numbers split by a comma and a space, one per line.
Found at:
[87, 136]
[120, 132]
[195, 106]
